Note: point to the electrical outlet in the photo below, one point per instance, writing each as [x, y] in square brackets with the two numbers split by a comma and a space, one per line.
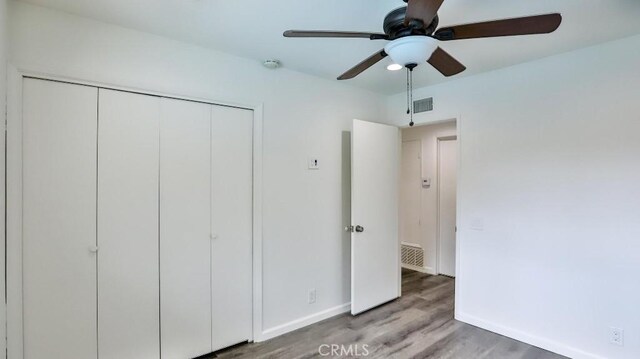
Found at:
[616, 336]
[312, 296]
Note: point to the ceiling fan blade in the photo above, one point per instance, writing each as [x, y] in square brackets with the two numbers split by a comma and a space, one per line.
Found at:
[335, 34]
[361, 67]
[445, 63]
[540, 24]
[423, 10]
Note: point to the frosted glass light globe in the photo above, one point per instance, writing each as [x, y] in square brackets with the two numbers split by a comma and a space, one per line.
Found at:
[411, 49]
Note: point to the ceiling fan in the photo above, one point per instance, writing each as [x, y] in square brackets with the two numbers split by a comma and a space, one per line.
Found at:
[415, 36]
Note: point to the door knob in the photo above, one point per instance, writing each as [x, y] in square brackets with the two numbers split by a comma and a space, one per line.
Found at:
[352, 229]
[213, 236]
[93, 249]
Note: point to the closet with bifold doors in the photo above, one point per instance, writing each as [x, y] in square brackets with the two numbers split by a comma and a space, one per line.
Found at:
[136, 224]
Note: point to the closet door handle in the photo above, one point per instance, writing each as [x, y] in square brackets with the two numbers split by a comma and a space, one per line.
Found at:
[94, 249]
[213, 236]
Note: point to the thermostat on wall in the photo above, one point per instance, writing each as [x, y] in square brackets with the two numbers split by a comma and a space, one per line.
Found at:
[426, 182]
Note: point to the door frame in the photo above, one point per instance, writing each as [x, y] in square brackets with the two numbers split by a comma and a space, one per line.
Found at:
[12, 171]
[438, 204]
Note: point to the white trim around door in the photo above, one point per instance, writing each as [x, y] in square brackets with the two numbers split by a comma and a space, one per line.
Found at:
[439, 260]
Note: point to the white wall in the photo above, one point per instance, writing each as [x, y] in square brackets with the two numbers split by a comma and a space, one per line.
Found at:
[551, 170]
[304, 243]
[428, 136]
[3, 88]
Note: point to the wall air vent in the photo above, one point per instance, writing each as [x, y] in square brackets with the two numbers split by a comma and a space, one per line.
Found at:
[424, 105]
[412, 255]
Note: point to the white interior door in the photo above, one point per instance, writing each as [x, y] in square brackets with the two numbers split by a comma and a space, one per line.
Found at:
[411, 192]
[59, 220]
[375, 256]
[128, 273]
[447, 183]
[231, 222]
[185, 229]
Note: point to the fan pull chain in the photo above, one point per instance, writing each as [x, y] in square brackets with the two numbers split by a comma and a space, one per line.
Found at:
[408, 103]
[411, 95]
[410, 68]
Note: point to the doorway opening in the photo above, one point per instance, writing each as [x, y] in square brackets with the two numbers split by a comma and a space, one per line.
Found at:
[428, 183]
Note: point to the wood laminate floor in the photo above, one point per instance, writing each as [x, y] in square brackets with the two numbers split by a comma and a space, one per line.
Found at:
[420, 324]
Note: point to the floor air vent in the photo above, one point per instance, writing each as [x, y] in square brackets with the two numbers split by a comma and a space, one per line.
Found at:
[424, 105]
[412, 255]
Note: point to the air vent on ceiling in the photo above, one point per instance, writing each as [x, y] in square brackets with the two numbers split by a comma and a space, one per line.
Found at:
[424, 105]
[412, 255]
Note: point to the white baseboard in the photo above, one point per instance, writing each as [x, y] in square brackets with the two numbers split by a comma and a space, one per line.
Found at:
[427, 270]
[303, 322]
[536, 341]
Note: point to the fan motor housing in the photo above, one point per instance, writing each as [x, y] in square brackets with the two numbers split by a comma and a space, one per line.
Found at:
[395, 27]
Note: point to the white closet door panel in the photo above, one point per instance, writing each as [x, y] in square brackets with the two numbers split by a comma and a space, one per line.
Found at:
[128, 273]
[59, 220]
[232, 195]
[185, 227]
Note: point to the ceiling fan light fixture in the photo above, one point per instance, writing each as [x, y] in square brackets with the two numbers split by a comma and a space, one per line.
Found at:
[411, 49]
[394, 67]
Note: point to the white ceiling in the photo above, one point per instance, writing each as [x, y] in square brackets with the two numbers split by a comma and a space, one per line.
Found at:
[253, 29]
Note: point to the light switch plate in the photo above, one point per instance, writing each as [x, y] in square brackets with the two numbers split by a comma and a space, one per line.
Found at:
[314, 164]
[477, 224]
